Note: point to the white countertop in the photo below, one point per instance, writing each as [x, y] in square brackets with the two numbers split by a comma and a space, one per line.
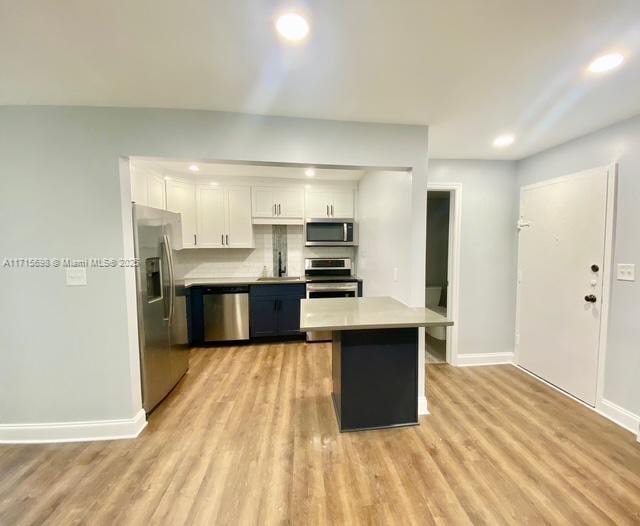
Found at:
[342, 314]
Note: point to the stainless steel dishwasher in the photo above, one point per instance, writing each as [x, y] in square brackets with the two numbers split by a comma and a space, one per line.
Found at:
[226, 313]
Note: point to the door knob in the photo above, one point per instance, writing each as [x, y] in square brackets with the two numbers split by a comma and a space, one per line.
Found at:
[590, 298]
[595, 268]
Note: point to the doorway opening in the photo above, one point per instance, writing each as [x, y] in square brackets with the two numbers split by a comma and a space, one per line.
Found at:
[441, 282]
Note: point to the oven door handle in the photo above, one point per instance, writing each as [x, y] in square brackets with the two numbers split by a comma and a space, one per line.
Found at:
[333, 287]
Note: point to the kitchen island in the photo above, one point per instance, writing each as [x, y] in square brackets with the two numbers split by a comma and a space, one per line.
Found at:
[374, 357]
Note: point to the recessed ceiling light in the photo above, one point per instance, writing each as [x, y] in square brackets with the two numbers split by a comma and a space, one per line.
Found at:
[502, 141]
[292, 26]
[606, 63]
[194, 168]
[310, 172]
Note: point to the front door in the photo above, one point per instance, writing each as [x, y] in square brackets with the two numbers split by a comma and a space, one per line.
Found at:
[560, 279]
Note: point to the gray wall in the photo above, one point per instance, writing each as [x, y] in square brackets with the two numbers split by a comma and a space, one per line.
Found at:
[487, 252]
[618, 143]
[384, 216]
[64, 351]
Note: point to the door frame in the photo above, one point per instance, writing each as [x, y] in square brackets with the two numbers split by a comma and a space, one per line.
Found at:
[453, 263]
[607, 275]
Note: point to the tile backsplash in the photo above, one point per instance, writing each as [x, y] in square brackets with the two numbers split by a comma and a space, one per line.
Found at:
[236, 262]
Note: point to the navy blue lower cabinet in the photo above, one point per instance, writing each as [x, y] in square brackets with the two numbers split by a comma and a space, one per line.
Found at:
[264, 316]
[288, 315]
[275, 309]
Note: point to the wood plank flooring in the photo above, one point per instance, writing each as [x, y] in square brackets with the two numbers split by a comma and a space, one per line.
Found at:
[250, 437]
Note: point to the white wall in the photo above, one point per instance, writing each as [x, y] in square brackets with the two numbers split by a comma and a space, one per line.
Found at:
[65, 351]
[618, 143]
[487, 252]
[384, 218]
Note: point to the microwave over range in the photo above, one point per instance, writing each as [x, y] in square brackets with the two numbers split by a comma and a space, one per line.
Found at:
[330, 232]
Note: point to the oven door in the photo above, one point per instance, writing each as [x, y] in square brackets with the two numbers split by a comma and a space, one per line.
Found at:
[328, 290]
[330, 232]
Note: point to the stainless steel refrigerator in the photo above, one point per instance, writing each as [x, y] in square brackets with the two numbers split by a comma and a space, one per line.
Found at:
[162, 315]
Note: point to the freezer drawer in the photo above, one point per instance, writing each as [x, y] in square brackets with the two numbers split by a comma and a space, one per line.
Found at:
[226, 314]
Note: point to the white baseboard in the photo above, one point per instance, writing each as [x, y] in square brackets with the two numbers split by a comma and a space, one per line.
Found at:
[423, 409]
[73, 431]
[619, 415]
[494, 358]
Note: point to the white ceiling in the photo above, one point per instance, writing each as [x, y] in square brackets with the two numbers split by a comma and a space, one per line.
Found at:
[469, 68]
[209, 169]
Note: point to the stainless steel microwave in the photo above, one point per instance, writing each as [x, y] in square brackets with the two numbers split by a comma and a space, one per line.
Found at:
[330, 232]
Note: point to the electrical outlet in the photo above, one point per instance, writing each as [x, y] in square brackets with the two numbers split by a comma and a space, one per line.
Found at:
[76, 276]
[626, 272]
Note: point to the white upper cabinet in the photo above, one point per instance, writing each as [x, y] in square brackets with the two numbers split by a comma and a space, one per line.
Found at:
[147, 188]
[329, 202]
[210, 216]
[155, 190]
[277, 205]
[239, 231]
[342, 204]
[181, 198]
[224, 217]
[139, 192]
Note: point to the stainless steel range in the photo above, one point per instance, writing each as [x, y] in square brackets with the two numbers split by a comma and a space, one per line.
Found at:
[328, 278]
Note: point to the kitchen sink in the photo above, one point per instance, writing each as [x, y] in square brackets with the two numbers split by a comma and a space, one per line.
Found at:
[277, 279]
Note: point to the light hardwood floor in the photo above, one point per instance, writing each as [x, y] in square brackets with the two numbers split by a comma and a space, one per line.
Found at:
[250, 437]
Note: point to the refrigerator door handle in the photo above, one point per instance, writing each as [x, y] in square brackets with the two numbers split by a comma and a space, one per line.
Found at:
[172, 282]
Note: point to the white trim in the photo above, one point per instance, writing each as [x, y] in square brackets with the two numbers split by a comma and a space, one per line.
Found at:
[493, 358]
[607, 278]
[607, 273]
[130, 285]
[453, 270]
[618, 415]
[423, 408]
[73, 431]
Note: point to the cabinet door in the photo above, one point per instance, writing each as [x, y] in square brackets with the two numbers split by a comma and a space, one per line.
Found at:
[288, 308]
[239, 225]
[264, 318]
[290, 202]
[262, 202]
[139, 187]
[342, 203]
[181, 198]
[211, 216]
[155, 187]
[317, 203]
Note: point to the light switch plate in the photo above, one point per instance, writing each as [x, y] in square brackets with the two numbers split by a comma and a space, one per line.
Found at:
[76, 276]
[626, 272]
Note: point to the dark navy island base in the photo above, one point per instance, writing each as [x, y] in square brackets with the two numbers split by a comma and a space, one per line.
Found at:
[375, 378]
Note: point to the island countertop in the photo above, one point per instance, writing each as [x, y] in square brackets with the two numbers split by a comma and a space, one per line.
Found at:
[344, 314]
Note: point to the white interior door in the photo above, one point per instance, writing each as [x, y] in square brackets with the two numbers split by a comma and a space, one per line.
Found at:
[560, 268]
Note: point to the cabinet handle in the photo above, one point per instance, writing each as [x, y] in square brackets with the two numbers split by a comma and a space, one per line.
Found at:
[275, 210]
[331, 210]
[195, 239]
[279, 209]
[327, 210]
[227, 239]
[222, 239]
